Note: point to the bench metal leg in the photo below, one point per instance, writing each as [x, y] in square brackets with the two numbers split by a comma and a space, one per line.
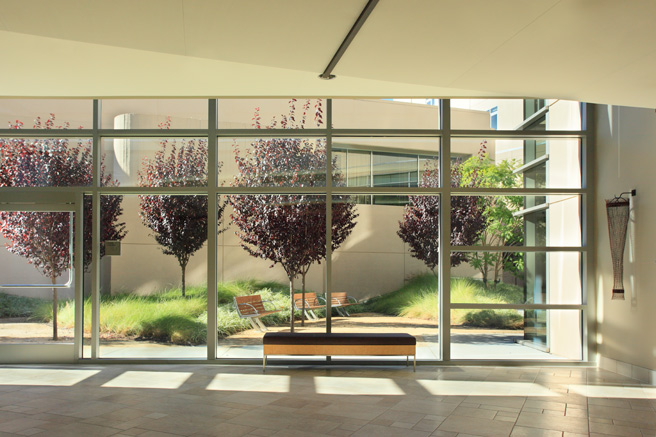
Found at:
[264, 364]
[262, 327]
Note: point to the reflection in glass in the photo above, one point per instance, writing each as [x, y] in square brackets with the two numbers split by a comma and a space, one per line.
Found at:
[273, 162]
[271, 113]
[154, 293]
[551, 220]
[274, 247]
[386, 161]
[517, 163]
[156, 162]
[388, 265]
[36, 113]
[37, 250]
[518, 277]
[515, 114]
[386, 114]
[154, 114]
[516, 334]
[46, 162]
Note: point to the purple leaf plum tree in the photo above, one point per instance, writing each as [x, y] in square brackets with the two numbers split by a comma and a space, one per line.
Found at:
[43, 237]
[178, 223]
[288, 229]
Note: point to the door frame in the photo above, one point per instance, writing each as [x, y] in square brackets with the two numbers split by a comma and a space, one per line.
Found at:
[49, 200]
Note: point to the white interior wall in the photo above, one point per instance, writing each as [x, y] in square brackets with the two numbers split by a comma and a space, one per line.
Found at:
[625, 157]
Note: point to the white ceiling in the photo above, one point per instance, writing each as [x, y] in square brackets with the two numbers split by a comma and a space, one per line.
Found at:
[600, 51]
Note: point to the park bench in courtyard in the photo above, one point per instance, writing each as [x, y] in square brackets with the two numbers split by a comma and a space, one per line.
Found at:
[252, 308]
[312, 302]
[340, 301]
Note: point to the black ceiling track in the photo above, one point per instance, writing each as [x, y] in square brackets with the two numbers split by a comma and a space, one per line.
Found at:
[349, 38]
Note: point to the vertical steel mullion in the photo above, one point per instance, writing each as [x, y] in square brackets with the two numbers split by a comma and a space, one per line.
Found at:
[212, 227]
[95, 234]
[329, 214]
[445, 233]
[78, 335]
[589, 316]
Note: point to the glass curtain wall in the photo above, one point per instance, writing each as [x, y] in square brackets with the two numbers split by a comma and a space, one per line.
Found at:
[476, 215]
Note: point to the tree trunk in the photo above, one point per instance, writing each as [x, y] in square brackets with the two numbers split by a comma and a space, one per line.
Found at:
[303, 297]
[184, 268]
[291, 299]
[54, 310]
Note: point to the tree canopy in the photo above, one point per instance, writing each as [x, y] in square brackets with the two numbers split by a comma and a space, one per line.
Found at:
[420, 225]
[43, 237]
[178, 223]
[288, 229]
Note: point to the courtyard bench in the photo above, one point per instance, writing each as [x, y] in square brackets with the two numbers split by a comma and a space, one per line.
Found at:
[316, 343]
[312, 302]
[252, 308]
[340, 301]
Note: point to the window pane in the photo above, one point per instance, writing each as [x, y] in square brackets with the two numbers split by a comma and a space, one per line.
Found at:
[272, 162]
[386, 162]
[516, 334]
[271, 113]
[386, 266]
[516, 277]
[386, 114]
[264, 242]
[154, 113]
[551, 220]
[45, 162]
[154, 294]
[515, 114]
[513, 163]
[64, 113]
[30, 239]
[155, 162]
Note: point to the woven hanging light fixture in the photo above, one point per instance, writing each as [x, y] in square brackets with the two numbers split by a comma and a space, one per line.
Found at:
[617, 210]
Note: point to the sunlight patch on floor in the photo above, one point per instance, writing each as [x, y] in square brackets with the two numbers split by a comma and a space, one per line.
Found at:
[334, 385]
[48, 377]
[484, 388]
[144, 379]
[613, 391]
[250, 382]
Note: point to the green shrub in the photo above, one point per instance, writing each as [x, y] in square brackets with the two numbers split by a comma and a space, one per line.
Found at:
[419, 299]
[502, 319]
[166, 316]
[19, 306]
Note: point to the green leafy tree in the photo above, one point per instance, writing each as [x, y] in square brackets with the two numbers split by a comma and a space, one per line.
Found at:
[501, 227]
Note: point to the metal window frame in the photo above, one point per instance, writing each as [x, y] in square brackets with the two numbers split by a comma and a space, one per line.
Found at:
[443, 135]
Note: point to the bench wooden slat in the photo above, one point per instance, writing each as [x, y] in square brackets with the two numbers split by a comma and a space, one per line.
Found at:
[252, 307]
[311, 301]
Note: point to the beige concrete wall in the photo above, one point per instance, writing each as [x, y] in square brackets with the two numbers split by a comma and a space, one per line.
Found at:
[625, 158]
[16, 270]
[372, 261]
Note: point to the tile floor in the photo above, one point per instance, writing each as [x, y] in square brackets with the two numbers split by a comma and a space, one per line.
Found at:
[210, 400]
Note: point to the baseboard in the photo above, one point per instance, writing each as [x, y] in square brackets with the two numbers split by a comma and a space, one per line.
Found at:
[642, 374]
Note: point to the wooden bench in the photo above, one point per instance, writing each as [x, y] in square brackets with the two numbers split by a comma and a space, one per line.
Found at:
[252, 308]
[340, 301]
[315, 343]
[312, 302]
